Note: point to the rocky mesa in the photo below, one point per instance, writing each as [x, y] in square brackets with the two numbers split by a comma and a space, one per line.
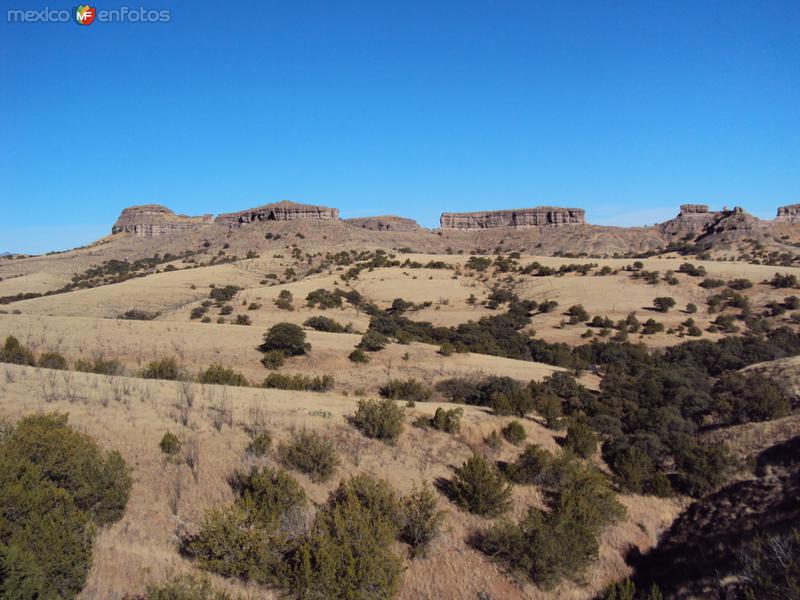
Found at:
[540, 216]
[278, 211]
[384, 223]
[788, 214]
[152, 220]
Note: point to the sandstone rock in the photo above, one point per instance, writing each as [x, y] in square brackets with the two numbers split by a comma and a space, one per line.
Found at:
[789, 214]
[152, 220]
[689, 209]
[384, 223]
[540, 216]
[278, 211]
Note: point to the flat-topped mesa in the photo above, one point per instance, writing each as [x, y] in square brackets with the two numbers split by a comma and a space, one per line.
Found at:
[788, 214]
[384, 223]
[153, 220]
[278, 211]
[540, 216]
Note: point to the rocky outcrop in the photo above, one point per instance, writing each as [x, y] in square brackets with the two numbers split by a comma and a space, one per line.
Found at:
[384, 223]
[693, 209]
[278, 211]
[789, 214]
[691, 221]
[153, 220]
[540, 216]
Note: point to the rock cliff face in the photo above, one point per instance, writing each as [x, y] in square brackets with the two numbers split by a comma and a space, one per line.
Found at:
[152, 220]
[279, 211]
[541, 216]
[789, 214]
[384, 223]
[692, 220]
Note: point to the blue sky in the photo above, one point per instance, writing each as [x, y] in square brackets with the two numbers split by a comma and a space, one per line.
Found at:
[626, 109]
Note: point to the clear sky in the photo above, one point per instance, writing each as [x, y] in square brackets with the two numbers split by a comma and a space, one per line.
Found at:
[626, 109]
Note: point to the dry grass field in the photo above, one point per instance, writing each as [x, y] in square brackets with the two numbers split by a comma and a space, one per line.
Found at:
[131, 414]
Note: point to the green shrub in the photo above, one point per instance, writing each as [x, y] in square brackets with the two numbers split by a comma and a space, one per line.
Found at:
[410, 389]
[321, 323]
[224, 294]
[663, 303]
[534, 466]
[299, 382]
[745, 397]
[14, 352]
[310, 453]
[284, 300]
[243, 320]
[288, 338]
[691, 308]
[260, 444]
[514, 432]
[52, 360]
[422, 520]
[493, 440]
[581, 439]
[267, 495]
[479, 487]
[55, 486]
[219, 375]
[346, 554]
[99, 365]
[359, 356]
[447, 349]
[323, 298]
[164, 368]
[135, 314]
[273, 359]
[558, 544]
[380, 419]
[170, 444]
[577, 314]
[447, 420]
[184, 587]
[372, 341]
[549, 406]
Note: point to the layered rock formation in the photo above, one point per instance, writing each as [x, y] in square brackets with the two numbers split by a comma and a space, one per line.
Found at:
[692, 220]
[540, 216]
[789, 214]
[152, 220]
[384, 223]
[278, 211]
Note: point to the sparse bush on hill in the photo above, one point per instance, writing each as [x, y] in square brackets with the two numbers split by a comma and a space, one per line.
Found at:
[284, 300]
[447, 420]
[273, 359]
[299, 381]
[347, 553]
[100, 366]
[410, 389]
[170, 444]
[135, 314]
[514, 432]
[224, 294]
[358, 356]
[52, 360]
[663, 303]
[380, 419]
[243, 320]
[780, 280]
[479, 487]
[55, 486]
[549, 546]
[422, 520]
[321, 323]
[310, 453]
[577, 314]
[163, 368]
[287, 338]
[322, 298]
[260, 443]
[184, 587]
[506, 396]
[220, 375]
[14, 352]
[581, 439]
[372, 341]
